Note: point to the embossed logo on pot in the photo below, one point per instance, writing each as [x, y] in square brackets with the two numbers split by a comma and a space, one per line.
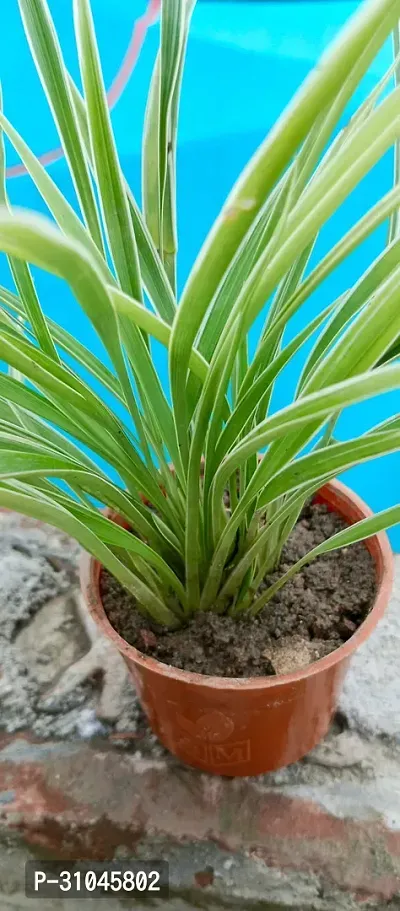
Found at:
[213, 726]
[207, 739]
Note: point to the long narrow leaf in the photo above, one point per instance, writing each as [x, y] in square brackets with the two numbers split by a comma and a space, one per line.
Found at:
[219, 373]
[36, 240]
[395, 217]
[47, 54]
[71, 346]
[317, 405]
[59, 207]
[354, 300]
[152, 271]
[329, 461]
[109, 177]
[345, 246]
[20, 270]
[47, 511]
[248, 402]
[357, 532]
[375, 19]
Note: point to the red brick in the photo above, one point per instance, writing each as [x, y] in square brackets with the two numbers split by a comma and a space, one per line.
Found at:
[84, 802]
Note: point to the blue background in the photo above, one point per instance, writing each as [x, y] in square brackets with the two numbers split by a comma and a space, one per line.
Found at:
[244, 62]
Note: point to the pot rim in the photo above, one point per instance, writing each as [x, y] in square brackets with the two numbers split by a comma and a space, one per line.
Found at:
[381, 552]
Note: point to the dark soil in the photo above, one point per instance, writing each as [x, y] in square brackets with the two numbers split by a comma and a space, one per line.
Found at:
[313, 614]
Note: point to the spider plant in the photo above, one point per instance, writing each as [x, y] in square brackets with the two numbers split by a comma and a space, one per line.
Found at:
[67, 452]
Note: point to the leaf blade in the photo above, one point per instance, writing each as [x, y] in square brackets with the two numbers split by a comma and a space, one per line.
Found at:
[46, 52]
[109, 178]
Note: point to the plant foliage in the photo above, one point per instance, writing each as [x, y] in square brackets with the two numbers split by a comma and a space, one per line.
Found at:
[65, 454]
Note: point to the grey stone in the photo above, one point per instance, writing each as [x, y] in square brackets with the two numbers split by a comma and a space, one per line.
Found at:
[359, 800]
[20, 699]
[366, 790]
[52, 641]
[23, 751]
[100, 656]
[344, 750]
[371, 695]
[39, 572]
[59, 676]
[37, 563]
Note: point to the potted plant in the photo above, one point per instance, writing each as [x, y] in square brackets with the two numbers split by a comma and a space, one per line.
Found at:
[226, 582]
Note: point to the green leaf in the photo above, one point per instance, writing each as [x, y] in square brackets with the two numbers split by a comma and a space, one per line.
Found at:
[47, 55]
[63, 213]
[47, 511]
[103, 435]
[114, 202]
[150, 164]
[248, 403]
[315, 406]
[31, 427]
[158, 172]
[254, 551]
[151, 268]
[353, 301]
[395, 217]
[369, 335]
[367, 29]
[323, 196]
[327, 190]
[357, 532]
[156, 327]
[218, 378]
[189, 550]
[84, 409]
[153, 273]
[358, 349]
[27, 459]
[171, 42]
[109, 177]
[158, 407]
[256, 240]
[113, 534]
[36, 240]
[71, 346]
[344, 247]
[327, 462]
[160, 133]
[20, 271]
[14, 463]
[34, 403]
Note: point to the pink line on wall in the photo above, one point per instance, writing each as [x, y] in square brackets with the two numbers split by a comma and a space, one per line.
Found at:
[120, 82]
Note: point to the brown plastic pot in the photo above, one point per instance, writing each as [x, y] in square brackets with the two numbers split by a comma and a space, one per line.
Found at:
[232, 726]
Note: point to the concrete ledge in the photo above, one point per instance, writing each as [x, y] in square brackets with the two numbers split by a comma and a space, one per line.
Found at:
[250, 838]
